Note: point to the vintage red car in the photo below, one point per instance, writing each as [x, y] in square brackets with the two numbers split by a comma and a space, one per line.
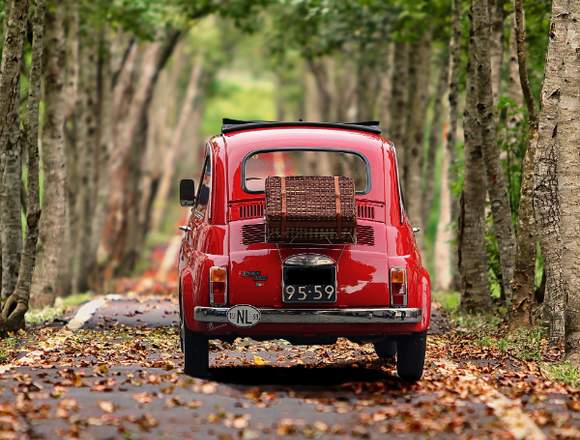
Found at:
[232, 282]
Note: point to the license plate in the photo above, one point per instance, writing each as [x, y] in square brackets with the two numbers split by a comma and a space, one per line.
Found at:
[309, 293]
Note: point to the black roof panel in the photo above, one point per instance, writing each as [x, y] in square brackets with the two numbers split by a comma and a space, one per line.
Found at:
[230, 125]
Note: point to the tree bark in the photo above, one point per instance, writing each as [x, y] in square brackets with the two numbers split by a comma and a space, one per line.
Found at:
[435, 138]
[104, 151]
[568, 134]
[525, 259]
[16, 305]
[419, 91]
[472, 256]
[86, 163]
[454, 72]
[191, 99]
[320, 73]
[398, 104]
[10, 162]
[496, 16]
[129, 135]
[496, 180]
[51, 258]
[546, 192]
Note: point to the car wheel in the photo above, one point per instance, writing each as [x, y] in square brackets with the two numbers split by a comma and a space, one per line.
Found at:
[195, 353]
[385, 349]
[411, 356]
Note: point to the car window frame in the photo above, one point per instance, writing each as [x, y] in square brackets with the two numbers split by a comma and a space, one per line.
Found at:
[366, 190]
[197, 213]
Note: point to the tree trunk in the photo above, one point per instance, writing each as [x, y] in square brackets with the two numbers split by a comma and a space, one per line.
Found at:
[435, 138]
[129, 134]
[10, 162]
[454, 71]
[191, 99]
[486, 120]
[16, 305]
[472, 256]
[568, 134]
[546, 198]
[320, 73]
[496, 18]
[419, 64]
[445, 235]
[525, 259]
[51, 256]
[398, 104]
[86, 164]
[104, 151]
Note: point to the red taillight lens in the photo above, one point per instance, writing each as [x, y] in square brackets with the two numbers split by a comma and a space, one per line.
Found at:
[398, 281]
[218, 285]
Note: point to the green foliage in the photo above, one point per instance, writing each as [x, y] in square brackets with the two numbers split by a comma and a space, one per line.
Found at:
[523, 343]
[7, 346]
[50, 313]
[450, 301]
[563, 372]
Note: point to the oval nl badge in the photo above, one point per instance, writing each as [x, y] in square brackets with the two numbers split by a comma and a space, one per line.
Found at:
[243, 315]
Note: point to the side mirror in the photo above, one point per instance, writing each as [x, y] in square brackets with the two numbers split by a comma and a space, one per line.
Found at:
[186, 192]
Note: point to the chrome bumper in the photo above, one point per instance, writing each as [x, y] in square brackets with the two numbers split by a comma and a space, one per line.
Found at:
[318, 316]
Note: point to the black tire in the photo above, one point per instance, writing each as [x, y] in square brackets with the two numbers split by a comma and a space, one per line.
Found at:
[411, 356]
[195, 353]
[385, 349]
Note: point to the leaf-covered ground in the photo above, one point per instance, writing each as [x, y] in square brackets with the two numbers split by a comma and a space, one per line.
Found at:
[121, 378]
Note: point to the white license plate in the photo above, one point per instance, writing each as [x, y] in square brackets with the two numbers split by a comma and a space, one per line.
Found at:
[243, 315]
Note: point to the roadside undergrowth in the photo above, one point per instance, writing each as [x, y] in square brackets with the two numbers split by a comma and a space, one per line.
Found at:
[525, 344]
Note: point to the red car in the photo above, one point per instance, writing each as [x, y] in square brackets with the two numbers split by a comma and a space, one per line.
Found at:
[233, 282]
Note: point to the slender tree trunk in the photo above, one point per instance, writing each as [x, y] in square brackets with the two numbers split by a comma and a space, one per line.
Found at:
[546, 192]
[525, 259]
[472, 256]
[104, 151]
[318, 69]
[191, 99]
[10, 162]
[16, 305]
[398, 104]
[51, 257]
[435, 138]
[419, 92]
[442, 252]
[496, 16]
[130, 141]
[496, 180]
[569, 179]
[86, 165]
[454, 71]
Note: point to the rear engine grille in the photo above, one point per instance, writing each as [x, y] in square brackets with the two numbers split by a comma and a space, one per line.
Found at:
[252, 234]
[251, 210]
[366, 212]
[365, 235]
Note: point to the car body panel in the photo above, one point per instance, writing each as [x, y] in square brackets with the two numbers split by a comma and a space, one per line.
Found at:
[219, 237]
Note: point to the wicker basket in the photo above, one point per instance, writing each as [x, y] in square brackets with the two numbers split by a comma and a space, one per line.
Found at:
[310, 209]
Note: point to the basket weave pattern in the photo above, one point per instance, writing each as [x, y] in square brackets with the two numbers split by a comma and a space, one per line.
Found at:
[310, 209]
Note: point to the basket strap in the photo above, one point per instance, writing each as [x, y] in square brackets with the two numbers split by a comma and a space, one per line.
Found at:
[283, 209]
[338, 205]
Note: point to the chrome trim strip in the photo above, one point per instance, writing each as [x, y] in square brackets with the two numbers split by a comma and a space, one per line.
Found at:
[318, 316]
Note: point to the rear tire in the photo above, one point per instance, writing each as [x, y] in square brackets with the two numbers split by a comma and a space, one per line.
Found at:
[385, 349]
[195, 353]
[411, 356]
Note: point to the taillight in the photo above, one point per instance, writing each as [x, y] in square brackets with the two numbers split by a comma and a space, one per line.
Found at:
[398, 281]
[218, 285]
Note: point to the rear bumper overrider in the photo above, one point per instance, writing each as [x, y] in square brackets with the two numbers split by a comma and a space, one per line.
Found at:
[319, 316]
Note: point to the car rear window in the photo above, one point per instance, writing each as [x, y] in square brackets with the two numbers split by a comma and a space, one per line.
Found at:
[304, 162]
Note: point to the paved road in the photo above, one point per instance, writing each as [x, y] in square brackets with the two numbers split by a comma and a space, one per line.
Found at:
[62, 386]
